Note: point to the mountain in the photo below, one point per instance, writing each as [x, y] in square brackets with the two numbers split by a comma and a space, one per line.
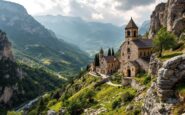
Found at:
[89, 36]
[32, 41]
[144, 27]
[20, 82]
[170, 15]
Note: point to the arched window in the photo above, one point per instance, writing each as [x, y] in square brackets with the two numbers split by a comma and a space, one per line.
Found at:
[128, 50]
[135, 34]
[128, 33]
[140, 54]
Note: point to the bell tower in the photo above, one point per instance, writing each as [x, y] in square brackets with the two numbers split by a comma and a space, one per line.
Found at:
[131, 31]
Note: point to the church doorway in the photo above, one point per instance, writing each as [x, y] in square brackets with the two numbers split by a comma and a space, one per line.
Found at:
[128, 73]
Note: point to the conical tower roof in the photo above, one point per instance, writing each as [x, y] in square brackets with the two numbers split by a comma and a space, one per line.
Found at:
[131, 25]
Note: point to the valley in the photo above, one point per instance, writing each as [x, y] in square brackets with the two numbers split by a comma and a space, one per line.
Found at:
[66, 64]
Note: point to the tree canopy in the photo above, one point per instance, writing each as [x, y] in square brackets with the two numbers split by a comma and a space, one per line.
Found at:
[109, 52]
[164, 40]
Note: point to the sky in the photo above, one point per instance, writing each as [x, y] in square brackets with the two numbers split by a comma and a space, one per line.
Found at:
[117, 12]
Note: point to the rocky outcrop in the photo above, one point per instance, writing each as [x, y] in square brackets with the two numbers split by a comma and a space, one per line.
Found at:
[161, 96]
[171, 73]
[154, 65]
[5, 47]
[10, 74]
[170, 15]
[153, 105]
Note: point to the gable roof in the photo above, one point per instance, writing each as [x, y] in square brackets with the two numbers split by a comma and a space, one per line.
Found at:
[143, 43]
[131, 25]
[110, 59]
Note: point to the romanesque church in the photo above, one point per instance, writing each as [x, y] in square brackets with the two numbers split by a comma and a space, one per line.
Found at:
[134, 58]
[135, 51]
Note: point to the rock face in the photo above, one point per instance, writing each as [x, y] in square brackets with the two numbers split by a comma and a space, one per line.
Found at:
[171, 73]
[161, 96]
[154, 65]
[170, 15]
[9, 73]
[5, 47]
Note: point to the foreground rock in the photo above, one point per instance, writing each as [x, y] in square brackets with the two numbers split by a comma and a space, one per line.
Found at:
[162, 96]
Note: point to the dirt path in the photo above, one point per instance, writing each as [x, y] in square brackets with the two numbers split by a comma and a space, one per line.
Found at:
[105, 77]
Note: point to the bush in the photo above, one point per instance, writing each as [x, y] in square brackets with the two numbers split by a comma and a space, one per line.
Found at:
[127, 97]
[147, 80]
[116, 103]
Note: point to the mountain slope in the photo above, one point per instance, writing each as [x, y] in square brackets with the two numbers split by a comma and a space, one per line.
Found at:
[144, 27]
[89, 36]
[19, 82]
[32, 39]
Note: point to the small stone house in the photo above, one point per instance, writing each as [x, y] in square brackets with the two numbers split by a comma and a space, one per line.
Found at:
[135, 51]
[108, 64]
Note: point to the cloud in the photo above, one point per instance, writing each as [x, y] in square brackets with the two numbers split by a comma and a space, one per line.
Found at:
[97, 16]
[130, 4]
[117, 12]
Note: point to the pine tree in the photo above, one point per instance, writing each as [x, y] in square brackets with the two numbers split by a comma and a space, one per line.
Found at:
[109, 52]
[101, 51]
[113, 52]
[96, 60]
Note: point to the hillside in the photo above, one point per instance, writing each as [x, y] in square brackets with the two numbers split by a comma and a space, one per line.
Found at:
[32, 41]
[20, 82]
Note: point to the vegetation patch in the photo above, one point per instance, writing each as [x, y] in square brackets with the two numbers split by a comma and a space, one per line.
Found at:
[170, 54]
[116, 78]
[143, 78]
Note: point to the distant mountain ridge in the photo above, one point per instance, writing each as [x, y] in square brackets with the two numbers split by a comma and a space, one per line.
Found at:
[89, 36]
[32, 39]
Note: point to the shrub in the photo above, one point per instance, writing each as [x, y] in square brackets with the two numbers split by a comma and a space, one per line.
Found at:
[116, 103]
[127, 97]
[147, 80]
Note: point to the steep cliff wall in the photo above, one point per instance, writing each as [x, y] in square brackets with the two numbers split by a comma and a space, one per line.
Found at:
[9, 72]
[170, 15]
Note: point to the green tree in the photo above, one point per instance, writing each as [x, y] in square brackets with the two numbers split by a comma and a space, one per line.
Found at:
[164, 40]
[109, 52]
[113, 52]
[101, 51]
[96, 60]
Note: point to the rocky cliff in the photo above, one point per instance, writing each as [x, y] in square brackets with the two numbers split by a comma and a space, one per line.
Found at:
[5, 47]
[163, 96]
[170, 15]
[9, 72]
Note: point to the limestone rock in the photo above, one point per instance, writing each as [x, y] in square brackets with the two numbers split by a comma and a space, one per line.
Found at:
[170, 15]
[5, 47]
[51, 112]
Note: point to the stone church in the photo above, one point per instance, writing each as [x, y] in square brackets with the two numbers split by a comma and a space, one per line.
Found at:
[135, 51]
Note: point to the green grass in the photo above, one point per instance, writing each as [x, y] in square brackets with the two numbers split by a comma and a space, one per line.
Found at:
[108, 94]
[14, 113]
[181, 89]
[116, 78]
[169, 54]
[56, 107]
[143, 79]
